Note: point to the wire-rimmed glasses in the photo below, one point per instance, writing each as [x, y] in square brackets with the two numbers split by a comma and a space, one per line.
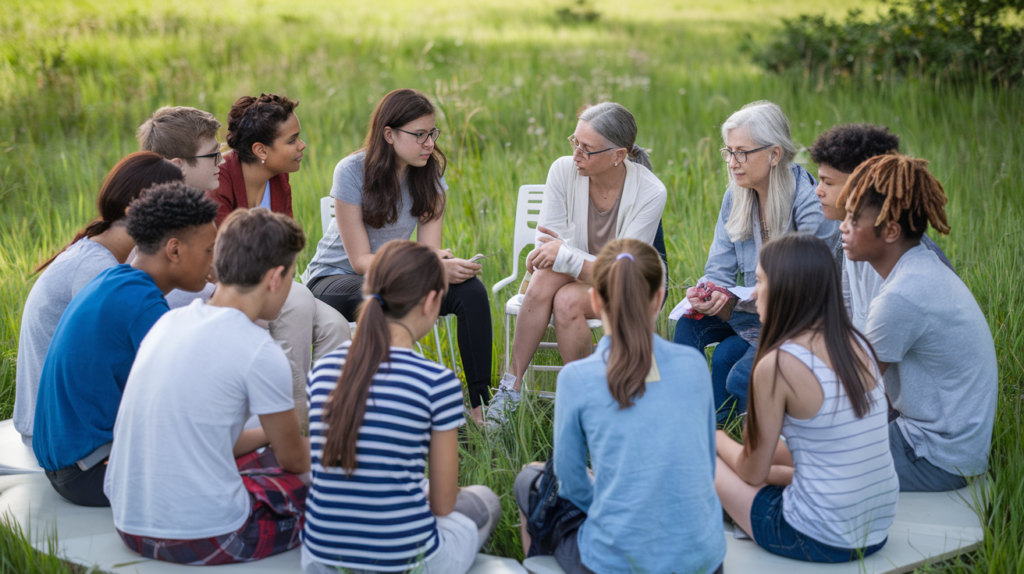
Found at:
[421, 137]
[741, 156]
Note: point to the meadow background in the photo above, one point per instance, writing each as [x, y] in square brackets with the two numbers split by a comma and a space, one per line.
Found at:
[77, 78]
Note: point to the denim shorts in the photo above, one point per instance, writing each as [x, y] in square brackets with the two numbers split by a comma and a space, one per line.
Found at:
[774, 534]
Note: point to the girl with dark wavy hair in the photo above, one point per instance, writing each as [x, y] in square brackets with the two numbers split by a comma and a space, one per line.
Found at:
[392, 186]
[378, 412]
[264, 135]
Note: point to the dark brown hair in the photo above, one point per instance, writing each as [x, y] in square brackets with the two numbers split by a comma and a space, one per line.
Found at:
[382, 192]
[253, 120]
[902, 189]
[252, 241]
[133, 174]
[628, 276]
[805, 294]
[401, 275]
[175, 132]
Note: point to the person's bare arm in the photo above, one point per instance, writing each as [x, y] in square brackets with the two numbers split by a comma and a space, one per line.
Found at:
[249, 441]
[444, 471]
[353, 235]
[290, 447]
[755, 467]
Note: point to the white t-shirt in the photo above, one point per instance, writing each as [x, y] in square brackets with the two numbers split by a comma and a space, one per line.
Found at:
[198, 373]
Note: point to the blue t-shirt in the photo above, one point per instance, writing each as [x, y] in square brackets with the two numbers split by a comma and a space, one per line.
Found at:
[651, 504]
[378, 518]
[88, 363]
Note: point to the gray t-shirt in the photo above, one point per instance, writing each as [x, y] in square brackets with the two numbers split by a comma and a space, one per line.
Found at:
[943, 377]
[861, 283]
[330, 257]
[49, 297]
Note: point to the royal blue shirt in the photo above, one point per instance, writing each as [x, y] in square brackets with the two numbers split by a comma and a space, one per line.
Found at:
[88, 362]
[651, 505]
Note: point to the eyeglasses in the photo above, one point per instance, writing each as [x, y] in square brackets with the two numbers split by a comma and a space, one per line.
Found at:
[421, 137]
[218, 157]
[741, 156]
[576, 147]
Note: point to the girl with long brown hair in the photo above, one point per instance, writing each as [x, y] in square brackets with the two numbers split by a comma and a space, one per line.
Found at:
[642, 408]
[390, 187]
[378, 412]
[98, 246]
[828, 492]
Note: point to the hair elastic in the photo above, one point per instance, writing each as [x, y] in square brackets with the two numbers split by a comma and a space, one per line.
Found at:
[380, 300]
[625, 256]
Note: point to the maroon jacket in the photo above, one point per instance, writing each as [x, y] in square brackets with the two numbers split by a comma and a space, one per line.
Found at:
[231, 193]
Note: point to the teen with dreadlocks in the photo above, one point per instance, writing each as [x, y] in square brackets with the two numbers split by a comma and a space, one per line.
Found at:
[838, 151]
[932, 340]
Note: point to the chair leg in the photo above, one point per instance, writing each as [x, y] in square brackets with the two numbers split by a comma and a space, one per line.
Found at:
[451, 347]
[437, 345]
[508, 344]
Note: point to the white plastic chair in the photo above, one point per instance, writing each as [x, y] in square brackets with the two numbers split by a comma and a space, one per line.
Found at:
[326, 216]
[527, 213]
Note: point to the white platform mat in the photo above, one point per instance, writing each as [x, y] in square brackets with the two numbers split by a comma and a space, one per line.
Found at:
[929, 527]
[86, 536]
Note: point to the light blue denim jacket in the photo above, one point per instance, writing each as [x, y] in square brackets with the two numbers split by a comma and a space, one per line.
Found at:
[651, 504]
[729, 260]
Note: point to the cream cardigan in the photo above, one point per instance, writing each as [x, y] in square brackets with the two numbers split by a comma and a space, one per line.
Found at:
[565, 206]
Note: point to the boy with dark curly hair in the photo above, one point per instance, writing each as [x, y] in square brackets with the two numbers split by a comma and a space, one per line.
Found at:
[95, 343]
[838, 151]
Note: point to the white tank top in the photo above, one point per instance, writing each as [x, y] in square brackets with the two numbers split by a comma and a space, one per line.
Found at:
[844, 489]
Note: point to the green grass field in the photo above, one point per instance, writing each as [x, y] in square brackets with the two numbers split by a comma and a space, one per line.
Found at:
[77, 77]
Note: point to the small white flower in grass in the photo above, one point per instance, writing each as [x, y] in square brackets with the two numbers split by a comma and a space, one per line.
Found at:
[682, 91]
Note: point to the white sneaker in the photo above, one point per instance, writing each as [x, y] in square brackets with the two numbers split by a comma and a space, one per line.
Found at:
[504, 402]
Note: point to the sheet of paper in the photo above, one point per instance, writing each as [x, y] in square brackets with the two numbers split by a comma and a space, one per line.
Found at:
[744, 294]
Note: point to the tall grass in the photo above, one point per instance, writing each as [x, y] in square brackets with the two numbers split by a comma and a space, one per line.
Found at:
[78, 77]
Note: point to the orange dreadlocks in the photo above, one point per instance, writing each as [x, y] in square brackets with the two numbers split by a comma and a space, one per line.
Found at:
[910, 193]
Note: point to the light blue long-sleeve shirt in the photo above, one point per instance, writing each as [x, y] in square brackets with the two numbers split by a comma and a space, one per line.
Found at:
[651, 505]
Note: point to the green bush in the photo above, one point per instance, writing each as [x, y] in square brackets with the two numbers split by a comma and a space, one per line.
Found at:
[933, 38]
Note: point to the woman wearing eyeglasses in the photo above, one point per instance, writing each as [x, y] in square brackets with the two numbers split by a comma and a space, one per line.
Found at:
[393, 185]
[605, 190]
[768, 196]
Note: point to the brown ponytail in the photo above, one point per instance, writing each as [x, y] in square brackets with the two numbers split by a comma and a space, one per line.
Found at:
[401, 275]
[628, 276]
[124, 183]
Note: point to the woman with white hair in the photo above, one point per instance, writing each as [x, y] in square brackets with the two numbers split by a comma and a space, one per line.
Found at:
[605, 190]
[768, 196]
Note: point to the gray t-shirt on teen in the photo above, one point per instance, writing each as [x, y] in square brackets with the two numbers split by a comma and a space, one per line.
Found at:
[861, 283]
[330, 257]
[50, 296]
[943, 377]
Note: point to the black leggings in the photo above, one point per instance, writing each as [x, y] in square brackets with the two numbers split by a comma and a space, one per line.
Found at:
[468, 301]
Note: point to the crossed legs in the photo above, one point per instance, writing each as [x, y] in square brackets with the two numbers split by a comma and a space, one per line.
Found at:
[569, 299]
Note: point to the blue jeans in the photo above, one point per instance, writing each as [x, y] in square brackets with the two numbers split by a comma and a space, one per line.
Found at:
[774, 534]
[731, 362]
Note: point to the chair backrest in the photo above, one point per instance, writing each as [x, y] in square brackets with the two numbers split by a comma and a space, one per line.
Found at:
[326, 212]
[527, 213]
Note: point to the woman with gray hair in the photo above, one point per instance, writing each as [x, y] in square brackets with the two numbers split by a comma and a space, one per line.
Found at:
[768, 196]
[605, 190]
